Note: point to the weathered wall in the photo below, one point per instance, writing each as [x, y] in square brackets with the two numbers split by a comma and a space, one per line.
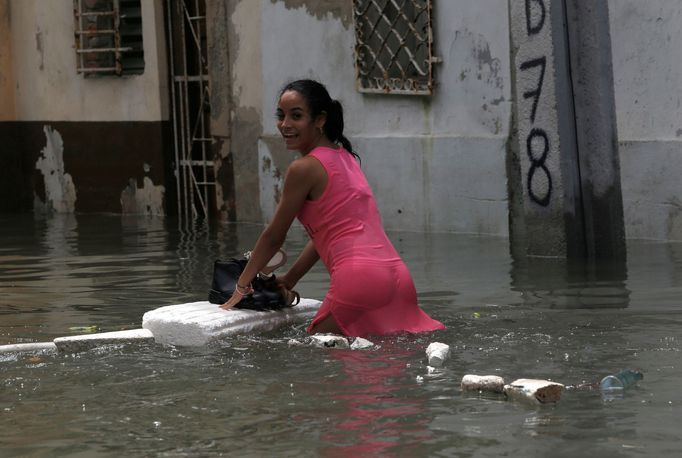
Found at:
[646, 39]
[6, 65]
[83, 144]
[438, 163]
[220, 82]
[48, 87]
[246, 67]
[435, 163]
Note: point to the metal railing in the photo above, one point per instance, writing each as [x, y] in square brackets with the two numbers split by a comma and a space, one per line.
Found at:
[104, 37]
[394, 44]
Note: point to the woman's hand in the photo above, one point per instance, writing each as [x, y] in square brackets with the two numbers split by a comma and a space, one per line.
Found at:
[236, 298]
[284, 282]
[232, 301]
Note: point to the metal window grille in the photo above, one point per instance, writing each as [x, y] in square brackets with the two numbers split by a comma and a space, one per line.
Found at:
[109, 37]
[394, 44]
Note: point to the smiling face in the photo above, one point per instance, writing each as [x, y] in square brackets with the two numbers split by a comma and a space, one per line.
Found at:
[300, 131]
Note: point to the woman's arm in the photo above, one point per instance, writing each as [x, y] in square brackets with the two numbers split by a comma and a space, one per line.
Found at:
[300, 178]
[303, 264]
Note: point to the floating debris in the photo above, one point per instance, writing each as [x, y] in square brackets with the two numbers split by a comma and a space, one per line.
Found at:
[539, 391]
[83, 328]
[492, 383]
[437, 353]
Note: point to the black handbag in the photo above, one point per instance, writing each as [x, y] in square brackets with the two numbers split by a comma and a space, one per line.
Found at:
[267, 294]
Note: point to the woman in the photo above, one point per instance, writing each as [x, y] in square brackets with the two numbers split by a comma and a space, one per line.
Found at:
[371, 290]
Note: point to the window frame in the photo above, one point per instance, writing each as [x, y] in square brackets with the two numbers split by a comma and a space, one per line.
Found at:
[109, 37]
[392, 61]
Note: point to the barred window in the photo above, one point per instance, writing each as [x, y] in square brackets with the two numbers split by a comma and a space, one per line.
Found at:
[109, 37]
[394, 43]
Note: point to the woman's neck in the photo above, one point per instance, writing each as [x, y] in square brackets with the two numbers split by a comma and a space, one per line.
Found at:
[325, 143]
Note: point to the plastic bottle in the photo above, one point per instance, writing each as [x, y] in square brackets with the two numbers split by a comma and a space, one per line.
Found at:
[620, 381]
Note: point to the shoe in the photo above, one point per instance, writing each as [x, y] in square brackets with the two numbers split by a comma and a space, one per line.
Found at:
[277, 261]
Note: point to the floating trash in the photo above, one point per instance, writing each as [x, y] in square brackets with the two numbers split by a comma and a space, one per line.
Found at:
[620, 381]
[492, 383]
[612, 386]
[83, 329]
[539, 391]
[437, 353]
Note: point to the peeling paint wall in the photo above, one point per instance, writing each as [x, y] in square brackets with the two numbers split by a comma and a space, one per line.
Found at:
[105, 140]
[245, 50]
[48, 87]
[60, 192]
[145, 200]
[6, 65]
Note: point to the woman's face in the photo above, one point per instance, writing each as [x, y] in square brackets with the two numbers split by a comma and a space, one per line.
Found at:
[300, 132]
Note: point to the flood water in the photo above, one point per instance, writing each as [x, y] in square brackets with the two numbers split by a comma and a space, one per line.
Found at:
[258, 396]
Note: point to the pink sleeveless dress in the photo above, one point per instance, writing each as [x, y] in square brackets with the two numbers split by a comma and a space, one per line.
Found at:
[371, 291]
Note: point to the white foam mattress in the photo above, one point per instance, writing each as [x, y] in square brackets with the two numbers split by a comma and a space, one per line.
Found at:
[199, 323]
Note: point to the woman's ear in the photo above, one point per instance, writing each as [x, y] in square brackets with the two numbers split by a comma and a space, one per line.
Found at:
[321, 120]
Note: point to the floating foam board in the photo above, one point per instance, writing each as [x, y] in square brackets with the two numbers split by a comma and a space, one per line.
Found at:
[198, 323]
[72, 344]
[35, 347]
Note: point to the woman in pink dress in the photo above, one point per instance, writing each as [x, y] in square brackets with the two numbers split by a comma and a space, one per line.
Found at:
[371, 290]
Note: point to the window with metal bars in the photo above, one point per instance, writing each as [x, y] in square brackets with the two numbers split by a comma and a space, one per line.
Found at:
[109, 37]
[394, 44]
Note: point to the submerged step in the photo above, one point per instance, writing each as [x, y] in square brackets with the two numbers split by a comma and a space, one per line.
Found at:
[73, 344]
[198, 323]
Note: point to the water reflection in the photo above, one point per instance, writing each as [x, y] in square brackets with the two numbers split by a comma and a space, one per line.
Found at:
[561, 283]
[504, 316]
[380, 412]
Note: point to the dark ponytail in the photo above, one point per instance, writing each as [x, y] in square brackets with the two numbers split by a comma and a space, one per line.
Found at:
[319, 101]
[333, 128]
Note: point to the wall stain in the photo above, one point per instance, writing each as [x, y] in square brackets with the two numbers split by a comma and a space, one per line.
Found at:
[60, 192]
[674, 220]
[338, 9]
[479, 72]
[39, 48]
[147, 200]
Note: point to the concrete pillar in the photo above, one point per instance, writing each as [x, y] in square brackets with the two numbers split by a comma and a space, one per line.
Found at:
[564, 189]
[220, 81]
[595, 124]
[566, 217]
[548, 193]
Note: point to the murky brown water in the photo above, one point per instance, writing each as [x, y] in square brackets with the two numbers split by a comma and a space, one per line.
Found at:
[257, 396]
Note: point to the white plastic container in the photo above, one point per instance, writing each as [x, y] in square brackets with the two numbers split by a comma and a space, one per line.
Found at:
[437, 353]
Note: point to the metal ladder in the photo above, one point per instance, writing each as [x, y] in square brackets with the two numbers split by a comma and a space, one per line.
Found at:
[190, 108]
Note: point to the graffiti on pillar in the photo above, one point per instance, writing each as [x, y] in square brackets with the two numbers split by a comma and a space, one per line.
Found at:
[537, 162]
[535, 16]
[538, 178]
[535, 93]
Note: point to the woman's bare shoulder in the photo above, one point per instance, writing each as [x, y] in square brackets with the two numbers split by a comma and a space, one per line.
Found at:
[305, 165]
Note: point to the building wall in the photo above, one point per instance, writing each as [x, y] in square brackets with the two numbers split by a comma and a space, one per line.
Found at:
[6, 66]
[435, 163]
[438, 163]
[82, 144]
[646, 37]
